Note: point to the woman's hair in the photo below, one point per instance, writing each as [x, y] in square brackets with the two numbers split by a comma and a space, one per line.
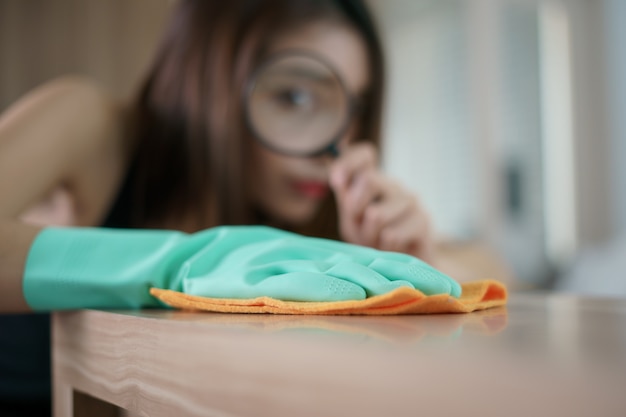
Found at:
[189, 168]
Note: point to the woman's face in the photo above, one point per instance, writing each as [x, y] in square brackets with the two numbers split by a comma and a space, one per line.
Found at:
[291, 189]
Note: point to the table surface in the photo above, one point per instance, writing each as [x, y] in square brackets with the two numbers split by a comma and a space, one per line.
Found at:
[543, 354]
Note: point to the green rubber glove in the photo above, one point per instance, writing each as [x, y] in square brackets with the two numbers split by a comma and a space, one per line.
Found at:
[70, 268]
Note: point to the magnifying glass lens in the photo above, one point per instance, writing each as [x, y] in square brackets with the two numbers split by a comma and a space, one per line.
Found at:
[298, 105]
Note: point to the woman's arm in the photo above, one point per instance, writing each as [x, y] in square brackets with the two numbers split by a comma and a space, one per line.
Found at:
[67, 134]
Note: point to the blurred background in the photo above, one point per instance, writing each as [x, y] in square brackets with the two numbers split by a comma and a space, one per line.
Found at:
[506, 117]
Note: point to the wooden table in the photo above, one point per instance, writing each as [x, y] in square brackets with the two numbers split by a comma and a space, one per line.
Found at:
[542, 355]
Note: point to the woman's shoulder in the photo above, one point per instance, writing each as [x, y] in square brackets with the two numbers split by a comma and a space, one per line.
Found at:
[75, 109]
[83, 94]
[72, 84]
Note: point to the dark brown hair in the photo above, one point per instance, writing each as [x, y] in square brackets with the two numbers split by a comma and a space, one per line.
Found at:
[189, 167]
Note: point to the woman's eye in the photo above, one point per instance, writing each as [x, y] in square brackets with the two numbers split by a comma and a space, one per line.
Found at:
[295, 98]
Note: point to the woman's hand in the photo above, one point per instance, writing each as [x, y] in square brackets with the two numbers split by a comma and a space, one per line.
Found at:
[376, 211]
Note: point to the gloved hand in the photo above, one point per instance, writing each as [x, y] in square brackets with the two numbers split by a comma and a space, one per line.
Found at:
[71, 268]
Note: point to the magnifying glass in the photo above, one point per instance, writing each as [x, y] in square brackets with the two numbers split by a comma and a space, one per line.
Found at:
[297, 105]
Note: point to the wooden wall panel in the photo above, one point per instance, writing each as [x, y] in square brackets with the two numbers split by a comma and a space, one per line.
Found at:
[111, 41]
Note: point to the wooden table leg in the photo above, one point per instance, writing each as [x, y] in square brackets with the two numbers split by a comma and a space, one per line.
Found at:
[62, 394]
[67, 401]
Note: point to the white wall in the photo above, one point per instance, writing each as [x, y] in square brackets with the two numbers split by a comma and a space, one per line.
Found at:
[463, 122]
[428, 145]
[472, 113]
[616, 47]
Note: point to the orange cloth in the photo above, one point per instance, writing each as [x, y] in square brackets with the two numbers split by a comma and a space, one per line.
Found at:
[477, 295]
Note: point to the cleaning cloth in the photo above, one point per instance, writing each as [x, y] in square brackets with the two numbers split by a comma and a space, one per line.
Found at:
[477, 295]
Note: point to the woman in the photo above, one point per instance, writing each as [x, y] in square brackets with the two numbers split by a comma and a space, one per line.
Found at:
[183, 157]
